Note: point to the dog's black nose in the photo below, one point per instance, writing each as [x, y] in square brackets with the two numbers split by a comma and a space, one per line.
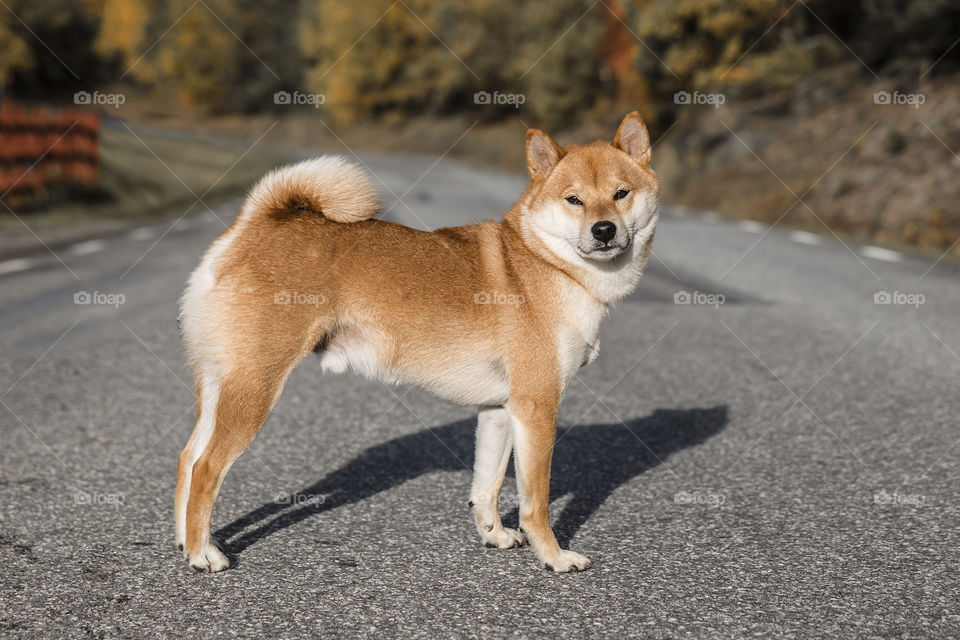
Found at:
[604, 231]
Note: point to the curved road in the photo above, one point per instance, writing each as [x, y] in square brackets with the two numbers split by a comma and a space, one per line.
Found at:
[767, 445]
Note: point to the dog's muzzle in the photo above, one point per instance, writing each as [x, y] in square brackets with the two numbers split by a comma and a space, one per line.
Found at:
[602, 251]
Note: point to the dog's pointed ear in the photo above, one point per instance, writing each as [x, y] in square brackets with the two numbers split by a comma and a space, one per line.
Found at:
[633, 139]
[543, 154]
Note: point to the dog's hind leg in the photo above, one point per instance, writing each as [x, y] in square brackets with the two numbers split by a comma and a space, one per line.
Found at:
[231, 415]
[208, 391]
[494, 443]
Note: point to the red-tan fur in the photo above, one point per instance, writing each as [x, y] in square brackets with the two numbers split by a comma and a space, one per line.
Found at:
[401, 304]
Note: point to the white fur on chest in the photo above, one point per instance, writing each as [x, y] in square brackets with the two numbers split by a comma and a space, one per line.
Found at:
[579, 331]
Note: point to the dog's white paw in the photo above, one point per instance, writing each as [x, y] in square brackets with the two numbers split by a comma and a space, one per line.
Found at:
[563, 561]
[503, 538]
[209, 559]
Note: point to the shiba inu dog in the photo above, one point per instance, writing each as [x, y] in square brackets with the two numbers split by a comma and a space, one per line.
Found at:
[306, 268]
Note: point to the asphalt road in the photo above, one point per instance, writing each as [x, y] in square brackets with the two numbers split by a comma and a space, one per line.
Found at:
[778, 457]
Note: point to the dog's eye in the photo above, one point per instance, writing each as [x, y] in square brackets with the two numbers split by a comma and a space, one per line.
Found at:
[620, 194]
[574, 200]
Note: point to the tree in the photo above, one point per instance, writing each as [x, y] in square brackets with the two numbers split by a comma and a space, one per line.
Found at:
[15, 54]
[395, 60]
[123, 27]
[196, 55]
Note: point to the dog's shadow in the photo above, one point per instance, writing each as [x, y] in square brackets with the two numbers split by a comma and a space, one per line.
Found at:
[589, 463]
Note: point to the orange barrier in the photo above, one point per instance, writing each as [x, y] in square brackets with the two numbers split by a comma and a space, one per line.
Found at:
[45, 150]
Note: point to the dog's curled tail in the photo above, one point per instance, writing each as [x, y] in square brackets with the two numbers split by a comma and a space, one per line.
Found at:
[330, 186]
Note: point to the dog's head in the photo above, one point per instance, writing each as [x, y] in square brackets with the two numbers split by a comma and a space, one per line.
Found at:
[593, 205]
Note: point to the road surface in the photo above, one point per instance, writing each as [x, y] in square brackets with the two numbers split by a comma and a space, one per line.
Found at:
[767, 445]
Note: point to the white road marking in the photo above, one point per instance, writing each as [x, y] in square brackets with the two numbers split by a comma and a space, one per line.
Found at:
[86, 248]
[752, 226]
[804, 237]
[17, 264]
[879, 253]
[143, 233]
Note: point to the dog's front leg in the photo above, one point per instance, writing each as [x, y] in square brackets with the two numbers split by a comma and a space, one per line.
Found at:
[534, 421]
[494, 443]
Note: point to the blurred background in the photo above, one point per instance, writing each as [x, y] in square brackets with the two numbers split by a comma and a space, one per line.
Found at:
[119, 109]
[767, 446]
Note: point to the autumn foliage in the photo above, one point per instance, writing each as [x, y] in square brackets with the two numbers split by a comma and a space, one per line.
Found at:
[392, 60]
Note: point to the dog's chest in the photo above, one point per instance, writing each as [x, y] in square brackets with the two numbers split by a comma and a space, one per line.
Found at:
[579, 333]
